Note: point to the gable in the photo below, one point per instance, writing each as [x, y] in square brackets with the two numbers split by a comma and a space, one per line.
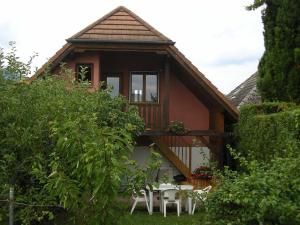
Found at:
[120, 25]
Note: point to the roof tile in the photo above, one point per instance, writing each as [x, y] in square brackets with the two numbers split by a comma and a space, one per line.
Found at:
[119, 25]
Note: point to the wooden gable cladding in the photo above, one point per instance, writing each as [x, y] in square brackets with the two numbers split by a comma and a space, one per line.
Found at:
[120, 25]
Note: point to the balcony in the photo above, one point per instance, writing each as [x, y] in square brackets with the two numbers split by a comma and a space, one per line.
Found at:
[152, 115]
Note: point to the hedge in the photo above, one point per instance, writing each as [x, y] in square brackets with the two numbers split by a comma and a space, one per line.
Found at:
[268, 130]
[266, 189]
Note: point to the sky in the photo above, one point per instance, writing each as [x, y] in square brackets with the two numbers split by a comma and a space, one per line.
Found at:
[222, 39]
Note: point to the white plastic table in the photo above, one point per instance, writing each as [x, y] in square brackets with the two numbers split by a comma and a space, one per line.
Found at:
[179, 187]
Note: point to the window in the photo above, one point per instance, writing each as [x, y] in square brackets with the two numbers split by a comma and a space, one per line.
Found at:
[144, 87]
[114, 82]
[84, 72]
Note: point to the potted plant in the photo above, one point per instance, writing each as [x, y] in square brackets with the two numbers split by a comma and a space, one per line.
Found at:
[177, 127]
[202, 172]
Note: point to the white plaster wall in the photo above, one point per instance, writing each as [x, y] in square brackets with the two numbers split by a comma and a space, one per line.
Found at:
[200, 157]
[141, 154]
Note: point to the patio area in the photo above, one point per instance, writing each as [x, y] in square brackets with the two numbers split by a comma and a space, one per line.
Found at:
[166, 199]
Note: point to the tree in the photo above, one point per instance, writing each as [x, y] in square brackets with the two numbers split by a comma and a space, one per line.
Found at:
[279, 68]
[62, 146]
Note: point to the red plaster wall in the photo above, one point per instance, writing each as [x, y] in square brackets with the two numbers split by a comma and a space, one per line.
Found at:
[185, 107]
[92, 58]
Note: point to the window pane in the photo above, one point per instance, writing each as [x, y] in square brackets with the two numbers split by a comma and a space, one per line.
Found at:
[151, 88]
[114, 82]
[84, 72]
[136, 88]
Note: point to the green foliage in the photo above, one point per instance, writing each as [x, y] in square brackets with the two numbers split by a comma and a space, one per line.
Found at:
[266, 189]
[62, 145]
[279, 68]
[268, 130]
[256, 4]
[262, 195]
[11, 67]
[177, 127]
[138, 177]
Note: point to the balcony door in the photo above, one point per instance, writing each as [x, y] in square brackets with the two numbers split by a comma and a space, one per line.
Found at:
[114, 82]
[144, 87]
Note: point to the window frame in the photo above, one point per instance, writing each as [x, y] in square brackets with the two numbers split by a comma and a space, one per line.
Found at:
[119, 75]
[144, 74]
[87, 64]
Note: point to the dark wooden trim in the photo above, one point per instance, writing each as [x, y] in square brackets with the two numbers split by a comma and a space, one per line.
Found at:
[144, 74]
[167, 92]
[85, 41]
[121, 48]
[208, 133]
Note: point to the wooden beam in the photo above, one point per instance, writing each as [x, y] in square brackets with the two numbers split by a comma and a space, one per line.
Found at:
[120, 47]
[195, 133]
[216, 123]
[166, 102]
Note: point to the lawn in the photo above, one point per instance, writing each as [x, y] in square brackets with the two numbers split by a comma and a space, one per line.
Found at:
[140, 216]
[143, 218]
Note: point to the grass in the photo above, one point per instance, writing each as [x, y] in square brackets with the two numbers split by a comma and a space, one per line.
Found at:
[143, 218]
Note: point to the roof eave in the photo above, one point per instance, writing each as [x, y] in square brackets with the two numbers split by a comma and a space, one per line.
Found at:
[95, 41]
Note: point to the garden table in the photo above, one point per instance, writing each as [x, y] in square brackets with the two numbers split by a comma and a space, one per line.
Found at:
[178, 187]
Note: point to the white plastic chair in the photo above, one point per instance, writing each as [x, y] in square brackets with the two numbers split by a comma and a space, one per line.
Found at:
[140, 196]
[166, 185]
[169, 197]
[202, 195]
[163, 187]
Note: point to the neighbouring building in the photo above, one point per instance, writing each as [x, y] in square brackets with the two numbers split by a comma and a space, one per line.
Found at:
[245, 93]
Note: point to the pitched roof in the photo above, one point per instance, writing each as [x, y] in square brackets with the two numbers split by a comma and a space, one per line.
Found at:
[120, 25]
[245, 93]
[204, 82]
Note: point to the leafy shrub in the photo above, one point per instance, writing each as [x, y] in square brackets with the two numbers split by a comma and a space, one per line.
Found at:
[263, 195]
[63, 146]
[177, 127]
[267, 188]
[268, 130]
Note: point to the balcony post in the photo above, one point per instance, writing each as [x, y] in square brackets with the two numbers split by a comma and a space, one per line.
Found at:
[166, 101]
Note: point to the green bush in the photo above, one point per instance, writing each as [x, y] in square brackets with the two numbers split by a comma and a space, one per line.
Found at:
[264, 195]
[62, 146]
[266, 190]
[268, 130]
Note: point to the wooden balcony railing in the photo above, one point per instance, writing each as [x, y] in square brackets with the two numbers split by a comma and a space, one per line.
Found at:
[152, 114]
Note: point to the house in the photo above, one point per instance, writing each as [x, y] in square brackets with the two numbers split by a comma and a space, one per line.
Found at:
[142, 64]
[245, 93]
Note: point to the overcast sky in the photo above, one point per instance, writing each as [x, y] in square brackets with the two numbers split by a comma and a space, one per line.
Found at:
[220, 37]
